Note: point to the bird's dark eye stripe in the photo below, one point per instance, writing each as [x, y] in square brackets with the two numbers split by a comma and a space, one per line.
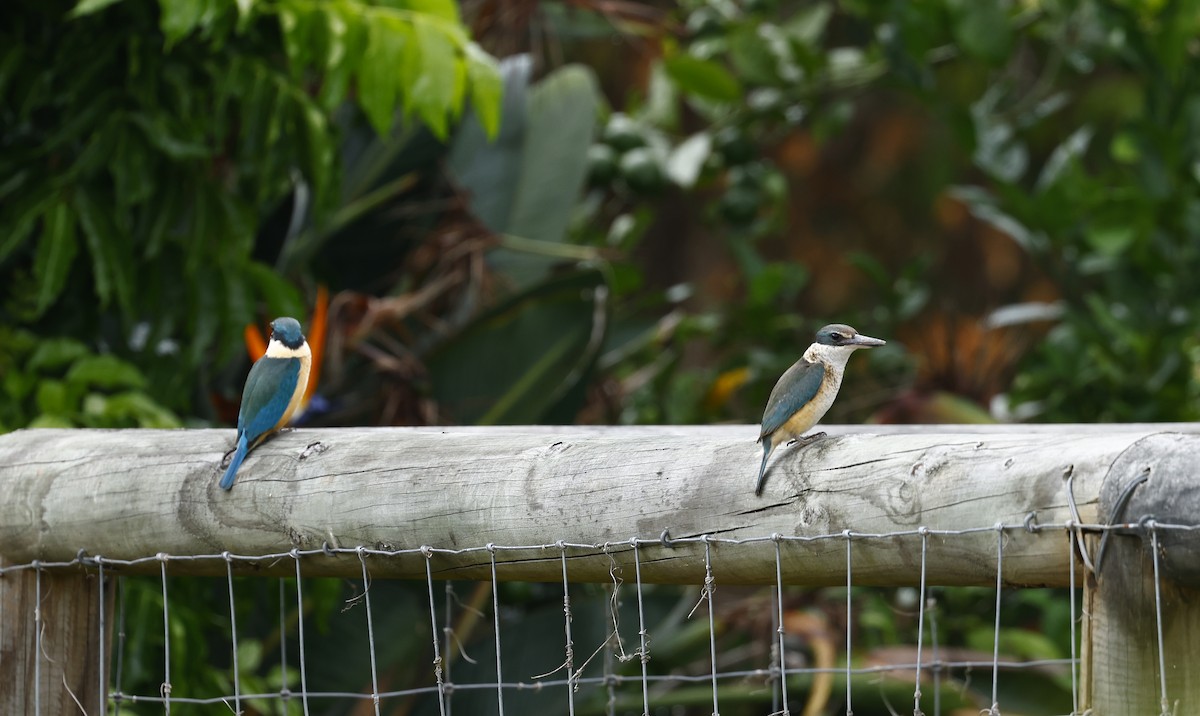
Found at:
[836, 336]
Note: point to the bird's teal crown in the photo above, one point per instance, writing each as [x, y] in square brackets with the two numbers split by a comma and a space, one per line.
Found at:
[287, 331]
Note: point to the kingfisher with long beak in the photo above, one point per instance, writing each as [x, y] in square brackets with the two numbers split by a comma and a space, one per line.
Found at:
[274, 389]
[806, 390]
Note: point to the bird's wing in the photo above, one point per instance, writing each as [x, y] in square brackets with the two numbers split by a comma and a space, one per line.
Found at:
[268, 391]
[796, 387]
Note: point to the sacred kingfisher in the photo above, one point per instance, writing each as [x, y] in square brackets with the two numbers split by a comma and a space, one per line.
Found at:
[806, 390]
[273, 391]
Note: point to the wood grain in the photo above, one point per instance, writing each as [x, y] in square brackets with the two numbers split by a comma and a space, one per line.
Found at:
[128, 494]
[68, 674]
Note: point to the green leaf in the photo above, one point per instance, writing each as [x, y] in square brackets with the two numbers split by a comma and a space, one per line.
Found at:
[54, 353]
[1071, 149]
[383, 63]
[559, 125]
[179, 17]
[441, 9]
[112, 255]
[807, 26]
[104, 371]
[51, 421]
[52, 398]
[140, 410]
[133, 170]
[282, 298]
[158, 133]
[15, 235]
[55, 254]
[486, 88]
[346, 37]
[752, 57]
[87, 7]
[432, 94]
[704, 78]
[1111, 239]
[486, 168]
[982, 29]
[687, 159]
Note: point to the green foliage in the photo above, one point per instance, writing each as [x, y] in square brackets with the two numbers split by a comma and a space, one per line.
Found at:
[144, 145]
[1111, 211]
[61, 383]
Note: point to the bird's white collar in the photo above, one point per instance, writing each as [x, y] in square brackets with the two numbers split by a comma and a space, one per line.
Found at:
[276, 349]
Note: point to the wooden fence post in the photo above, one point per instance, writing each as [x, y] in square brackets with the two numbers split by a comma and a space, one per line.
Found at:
[66, 677]
[1123, 626]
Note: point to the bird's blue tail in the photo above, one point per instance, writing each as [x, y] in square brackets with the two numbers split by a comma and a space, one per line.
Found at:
[768, 446]
[235, 463]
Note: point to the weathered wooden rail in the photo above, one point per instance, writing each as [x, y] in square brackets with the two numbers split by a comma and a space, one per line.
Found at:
[131, 494]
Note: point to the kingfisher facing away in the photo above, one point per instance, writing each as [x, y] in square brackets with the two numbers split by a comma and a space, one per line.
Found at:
[806, 390]
[273, 391]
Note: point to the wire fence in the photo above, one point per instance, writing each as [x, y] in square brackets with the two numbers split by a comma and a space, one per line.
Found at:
[608, 636]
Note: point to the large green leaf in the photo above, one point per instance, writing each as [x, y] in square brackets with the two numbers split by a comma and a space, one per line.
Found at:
[704, 78]
[486, 87]
[432, 92]
[560, 122]
[55, 254]
[441, 9]
[487, 168]
[54, 353]
[390, 49]
[524, 360]
[527, 180]
[104, 371]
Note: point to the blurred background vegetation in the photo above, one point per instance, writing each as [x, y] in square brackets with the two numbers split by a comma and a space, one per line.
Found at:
[603, 211]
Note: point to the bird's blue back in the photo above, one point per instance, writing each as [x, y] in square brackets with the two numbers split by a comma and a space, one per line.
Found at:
[796, 387]
[269, 389]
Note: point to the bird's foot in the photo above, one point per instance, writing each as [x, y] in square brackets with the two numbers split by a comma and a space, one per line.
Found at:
[228, 454]
[806, 439]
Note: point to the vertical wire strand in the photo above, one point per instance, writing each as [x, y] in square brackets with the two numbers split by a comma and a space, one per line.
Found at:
[709, 590]
[491, 548]
[165, 689]
[300, 634]
[285, 691]
[1074, 636]
[102, 696]
[780, 630]
[570, 649]
[448, 634]
[237, 676]
[433, 630]
[995, 708]
[643, 648]
[362, 559]
[37, 639]
[120, 644]
[935, 655]
[849, 618]
[920, 622]
[610, 682]
[1158, 622]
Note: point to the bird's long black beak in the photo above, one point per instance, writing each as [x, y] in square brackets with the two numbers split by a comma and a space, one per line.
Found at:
[865, 341]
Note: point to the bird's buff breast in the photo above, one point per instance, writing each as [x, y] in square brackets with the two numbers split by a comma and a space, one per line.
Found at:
[301, 387]
[810, 414]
